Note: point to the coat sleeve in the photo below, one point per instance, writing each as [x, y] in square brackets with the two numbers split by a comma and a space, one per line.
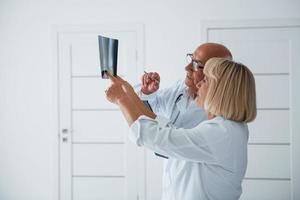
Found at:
[162, 100]
[197, 144]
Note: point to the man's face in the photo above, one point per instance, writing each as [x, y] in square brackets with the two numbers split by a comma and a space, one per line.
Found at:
[193, 77]
[202, 87]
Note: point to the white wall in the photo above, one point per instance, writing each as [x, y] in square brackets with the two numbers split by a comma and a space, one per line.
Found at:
[27, 112]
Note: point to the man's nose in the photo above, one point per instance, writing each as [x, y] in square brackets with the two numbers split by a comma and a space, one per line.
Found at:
[198, 85]
[188, 67]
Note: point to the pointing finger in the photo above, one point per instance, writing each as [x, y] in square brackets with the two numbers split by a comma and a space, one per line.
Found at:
[111, 77]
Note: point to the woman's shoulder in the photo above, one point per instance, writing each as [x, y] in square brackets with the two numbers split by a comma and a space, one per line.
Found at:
[220, 124]
[222, 130]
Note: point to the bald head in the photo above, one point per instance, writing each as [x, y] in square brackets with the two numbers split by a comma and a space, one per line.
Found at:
[210, 50]
[201, 55]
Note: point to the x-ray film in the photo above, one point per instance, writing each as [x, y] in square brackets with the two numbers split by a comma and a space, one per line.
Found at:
[108, 49]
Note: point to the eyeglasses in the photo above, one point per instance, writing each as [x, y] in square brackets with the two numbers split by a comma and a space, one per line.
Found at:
[197, 65]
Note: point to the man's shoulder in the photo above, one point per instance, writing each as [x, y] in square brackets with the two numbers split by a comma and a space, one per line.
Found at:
[172, 92]
[179, 86]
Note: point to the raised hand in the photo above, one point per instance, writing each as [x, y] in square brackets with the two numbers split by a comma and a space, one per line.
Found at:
[118, 89]
[114, 92]
[150, 82]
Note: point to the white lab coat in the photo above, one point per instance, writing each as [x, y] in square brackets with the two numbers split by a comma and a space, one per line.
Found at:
[175, 104]
[205, 162]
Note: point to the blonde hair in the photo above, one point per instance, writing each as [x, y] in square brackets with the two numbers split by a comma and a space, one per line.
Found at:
[231, 91]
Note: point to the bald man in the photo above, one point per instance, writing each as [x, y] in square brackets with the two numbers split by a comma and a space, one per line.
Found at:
[176, 103]
[202, 54]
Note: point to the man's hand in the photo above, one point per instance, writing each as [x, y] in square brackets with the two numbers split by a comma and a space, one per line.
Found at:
[150, 82]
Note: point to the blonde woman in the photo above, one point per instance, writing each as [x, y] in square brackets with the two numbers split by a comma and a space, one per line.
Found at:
[210, 160]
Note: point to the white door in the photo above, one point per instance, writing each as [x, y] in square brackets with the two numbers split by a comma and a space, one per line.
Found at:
[96, 161]
[271, 50]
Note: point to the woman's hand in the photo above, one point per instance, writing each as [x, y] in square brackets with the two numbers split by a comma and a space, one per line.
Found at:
[115, 93]
[118, 90]
[121, 93]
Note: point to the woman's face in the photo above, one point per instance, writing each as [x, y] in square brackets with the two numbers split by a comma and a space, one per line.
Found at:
[202, 87]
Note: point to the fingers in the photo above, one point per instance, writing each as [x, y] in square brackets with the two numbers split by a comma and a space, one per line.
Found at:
[156, 76]
[150, 82]
[109, 89]
[111, 77]
[147, 78]
[120, 79]
[155, 86]
[113, 90]
[150, 77]
[114, 79]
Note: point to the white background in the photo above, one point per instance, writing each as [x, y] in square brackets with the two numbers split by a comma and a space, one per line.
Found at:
[27, 79]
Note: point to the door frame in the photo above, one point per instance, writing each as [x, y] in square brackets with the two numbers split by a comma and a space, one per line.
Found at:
[138, 28]
[207, 25]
